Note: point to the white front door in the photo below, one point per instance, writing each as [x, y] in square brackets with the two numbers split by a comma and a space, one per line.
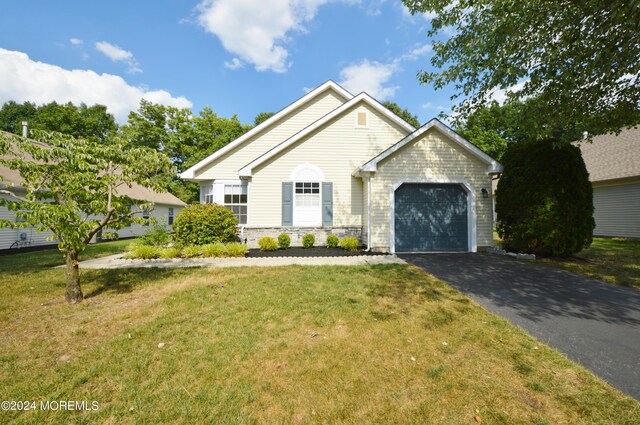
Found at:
[306, 204]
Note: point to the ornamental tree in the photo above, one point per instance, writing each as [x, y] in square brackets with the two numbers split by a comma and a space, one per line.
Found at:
[71, 187]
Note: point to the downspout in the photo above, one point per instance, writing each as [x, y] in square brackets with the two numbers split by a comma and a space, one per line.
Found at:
[369, 213]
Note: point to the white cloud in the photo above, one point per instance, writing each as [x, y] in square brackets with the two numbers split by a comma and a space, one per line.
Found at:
[417, 52]
[118, 54]
[370, 77]
[234, 64]
[27, 80]
[113, 52]
[75, 41]
[256, 31]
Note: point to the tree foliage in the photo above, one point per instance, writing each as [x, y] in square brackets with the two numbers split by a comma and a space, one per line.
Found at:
[402, 113]
[579, 59]
[184, 137]
[262, 117]
[70, 187]
[88, 122]
[544, 199]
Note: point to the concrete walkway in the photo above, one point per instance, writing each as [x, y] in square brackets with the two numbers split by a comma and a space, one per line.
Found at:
[117, 262]
[594, 323]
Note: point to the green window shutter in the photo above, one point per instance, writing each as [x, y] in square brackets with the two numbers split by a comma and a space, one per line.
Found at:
[327, 204]
[287, 203]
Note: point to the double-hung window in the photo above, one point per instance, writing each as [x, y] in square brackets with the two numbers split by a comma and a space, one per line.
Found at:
[235, 198]
[170, 217]
[207, 193]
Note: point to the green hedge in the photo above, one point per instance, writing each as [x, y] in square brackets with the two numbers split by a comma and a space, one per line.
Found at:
[544, 200]
[205, 224]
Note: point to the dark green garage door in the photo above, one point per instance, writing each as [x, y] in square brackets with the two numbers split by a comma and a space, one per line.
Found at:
[431, 217]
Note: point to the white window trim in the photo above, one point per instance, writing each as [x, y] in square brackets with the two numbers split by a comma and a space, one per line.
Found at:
[366, 117]
[220, 193]
[293, 218]
[472, 231]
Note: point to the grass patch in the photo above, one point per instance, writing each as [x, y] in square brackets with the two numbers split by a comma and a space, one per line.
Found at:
[613, 260]
[377, 344]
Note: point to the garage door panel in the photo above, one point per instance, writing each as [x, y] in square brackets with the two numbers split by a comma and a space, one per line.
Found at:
[431, 217]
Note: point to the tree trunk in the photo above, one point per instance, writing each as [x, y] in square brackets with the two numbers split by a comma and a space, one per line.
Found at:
[73, 294]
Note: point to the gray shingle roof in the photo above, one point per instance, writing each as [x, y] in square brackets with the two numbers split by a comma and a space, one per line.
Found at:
[613, 156]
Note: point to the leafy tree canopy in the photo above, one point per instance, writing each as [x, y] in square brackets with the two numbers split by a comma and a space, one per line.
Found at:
[89, 122]
[184, 137]
[402, 113]
[70, 187]
[579, 59]
[262, 117]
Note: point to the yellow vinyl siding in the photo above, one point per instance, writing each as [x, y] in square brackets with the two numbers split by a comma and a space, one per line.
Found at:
[617, 209]
[226, 167]
[338, 149]
[432, 155]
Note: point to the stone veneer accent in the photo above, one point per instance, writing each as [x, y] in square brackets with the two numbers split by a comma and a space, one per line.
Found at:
[250, 235]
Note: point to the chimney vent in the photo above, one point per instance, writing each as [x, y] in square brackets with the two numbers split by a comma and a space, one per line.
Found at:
[25, 129]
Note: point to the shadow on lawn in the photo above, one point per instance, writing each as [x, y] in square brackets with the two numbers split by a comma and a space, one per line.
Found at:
[536, 291]
[122, 281]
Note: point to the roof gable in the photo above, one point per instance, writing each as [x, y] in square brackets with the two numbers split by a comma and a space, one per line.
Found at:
[247, 170]
[372, 165]
[329, 85]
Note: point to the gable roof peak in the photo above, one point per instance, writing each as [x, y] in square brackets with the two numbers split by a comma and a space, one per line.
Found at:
[329, 84]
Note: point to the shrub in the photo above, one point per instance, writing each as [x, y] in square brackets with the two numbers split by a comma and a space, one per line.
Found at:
[236, 249]
[158, 235]
[332, 241]
[204, 224]
[217, 249]
[170, 252]
[191, 251]
[267, 243]
[144, 252]
[349, 244]
[284, 241]
[308, 240]
[544, 200]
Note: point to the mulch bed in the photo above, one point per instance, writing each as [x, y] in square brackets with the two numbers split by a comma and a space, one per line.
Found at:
[316, 251]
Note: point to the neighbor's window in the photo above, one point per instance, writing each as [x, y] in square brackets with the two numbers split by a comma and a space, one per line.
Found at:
[145, 215]
[361, 119]
[235, 198]
[170, 217]
[207, 193]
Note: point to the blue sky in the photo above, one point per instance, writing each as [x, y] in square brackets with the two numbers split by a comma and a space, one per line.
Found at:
[236, 56]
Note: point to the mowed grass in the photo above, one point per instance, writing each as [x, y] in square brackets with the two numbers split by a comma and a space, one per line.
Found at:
[370, 344]
[613, 260]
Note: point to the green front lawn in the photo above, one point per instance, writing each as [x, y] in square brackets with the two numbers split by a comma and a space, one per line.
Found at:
[371, 344]
[614, 260]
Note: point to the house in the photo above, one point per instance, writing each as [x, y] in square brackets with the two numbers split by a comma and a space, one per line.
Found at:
[166, 206]
[332, 162]
[613, 163]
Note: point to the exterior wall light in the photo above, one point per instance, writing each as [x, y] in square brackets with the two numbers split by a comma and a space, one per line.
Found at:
[485, 192]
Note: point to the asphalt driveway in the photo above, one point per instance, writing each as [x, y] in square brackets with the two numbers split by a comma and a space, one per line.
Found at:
[594, 323]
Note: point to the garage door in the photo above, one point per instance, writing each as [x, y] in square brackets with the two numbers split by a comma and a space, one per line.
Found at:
[431, 217]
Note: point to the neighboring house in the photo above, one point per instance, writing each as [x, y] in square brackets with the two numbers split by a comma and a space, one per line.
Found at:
[613, 163]
[166, 206]
[336, 163]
